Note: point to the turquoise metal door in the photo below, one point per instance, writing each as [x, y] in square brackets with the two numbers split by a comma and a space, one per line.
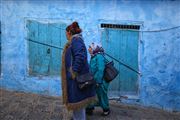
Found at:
[43, 59]
[122, 45]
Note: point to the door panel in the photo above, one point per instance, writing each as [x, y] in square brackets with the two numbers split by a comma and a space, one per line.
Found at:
[122, 45]
[32, 34]
[58, 38]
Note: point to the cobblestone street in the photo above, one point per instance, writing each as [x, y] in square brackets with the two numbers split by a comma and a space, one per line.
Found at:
[25, 106]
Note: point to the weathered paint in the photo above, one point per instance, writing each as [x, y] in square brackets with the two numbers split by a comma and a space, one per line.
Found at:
[159, 55]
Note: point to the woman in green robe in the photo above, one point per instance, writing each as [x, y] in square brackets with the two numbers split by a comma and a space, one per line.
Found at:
[97, 65]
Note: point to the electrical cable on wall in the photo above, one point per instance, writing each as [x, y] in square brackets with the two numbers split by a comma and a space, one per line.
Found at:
[160, 30]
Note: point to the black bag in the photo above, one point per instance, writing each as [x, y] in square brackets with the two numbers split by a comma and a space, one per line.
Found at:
[84, 81]
[110, 72]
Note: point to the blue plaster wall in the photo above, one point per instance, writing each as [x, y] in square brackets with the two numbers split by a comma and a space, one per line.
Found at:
[159, 55]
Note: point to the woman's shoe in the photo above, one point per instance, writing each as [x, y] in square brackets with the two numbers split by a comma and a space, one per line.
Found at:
[106, 112]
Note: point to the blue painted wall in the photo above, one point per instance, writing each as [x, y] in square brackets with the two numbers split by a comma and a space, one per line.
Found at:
[159, 55]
